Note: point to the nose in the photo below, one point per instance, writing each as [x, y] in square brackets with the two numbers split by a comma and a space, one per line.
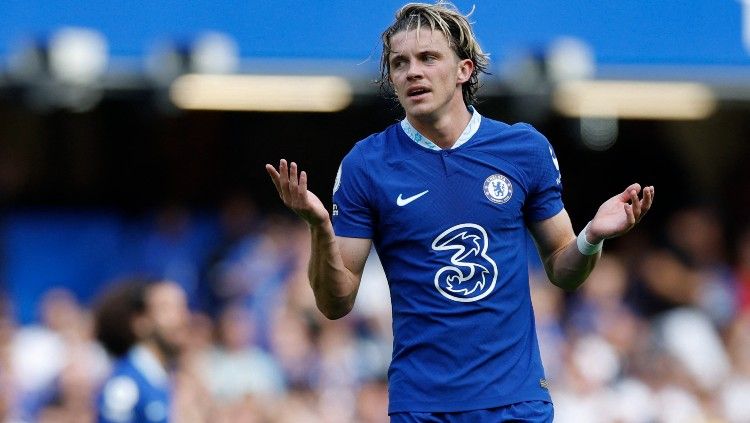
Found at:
[414, 71]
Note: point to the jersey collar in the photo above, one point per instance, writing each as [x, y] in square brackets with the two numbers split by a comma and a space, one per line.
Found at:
[147, 363]
[420, 139]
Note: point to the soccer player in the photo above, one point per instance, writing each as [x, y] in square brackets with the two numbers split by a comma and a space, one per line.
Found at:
[144, 325]
[447, 195]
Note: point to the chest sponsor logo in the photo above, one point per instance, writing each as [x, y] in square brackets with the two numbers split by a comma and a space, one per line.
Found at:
[400, 201]
[498, 188]
[471, 274]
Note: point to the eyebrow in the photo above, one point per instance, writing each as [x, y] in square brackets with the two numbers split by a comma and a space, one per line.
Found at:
[429, 51]
[397, 54]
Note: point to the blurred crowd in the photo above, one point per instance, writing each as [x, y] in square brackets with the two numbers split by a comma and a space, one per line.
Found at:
[659, 333]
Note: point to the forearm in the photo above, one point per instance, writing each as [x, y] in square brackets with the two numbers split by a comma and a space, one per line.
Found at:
[336, 263]
[569, 260]
[334, 286]
[568, 268]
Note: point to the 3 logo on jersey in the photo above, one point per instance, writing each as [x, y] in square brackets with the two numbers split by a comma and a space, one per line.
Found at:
[471, 274]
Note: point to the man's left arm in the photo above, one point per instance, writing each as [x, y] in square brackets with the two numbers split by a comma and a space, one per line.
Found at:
[568, 259]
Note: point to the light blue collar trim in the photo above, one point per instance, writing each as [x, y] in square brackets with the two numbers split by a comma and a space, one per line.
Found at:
[147, 363]
[420, 139]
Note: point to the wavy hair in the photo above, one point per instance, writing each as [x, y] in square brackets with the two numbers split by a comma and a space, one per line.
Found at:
[115, 309]
[446, 18]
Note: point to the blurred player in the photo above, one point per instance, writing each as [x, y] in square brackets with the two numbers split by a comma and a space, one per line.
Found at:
[144, 325]
[447, 195]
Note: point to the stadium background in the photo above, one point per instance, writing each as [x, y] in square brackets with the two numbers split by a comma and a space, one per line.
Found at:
[107, 169]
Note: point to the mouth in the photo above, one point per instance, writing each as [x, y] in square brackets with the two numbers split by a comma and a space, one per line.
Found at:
[416, 92]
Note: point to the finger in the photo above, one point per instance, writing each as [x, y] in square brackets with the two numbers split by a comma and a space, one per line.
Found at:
[635, 203]
[648, 199]
[625, 195]
[272, 172]
[284, 179]
[274, 177]
[302, 183]
[629, 214]
[293, 178]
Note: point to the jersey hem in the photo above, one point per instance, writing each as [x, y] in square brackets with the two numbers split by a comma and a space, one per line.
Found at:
[352, 233]
[456, 406]
[545, 216]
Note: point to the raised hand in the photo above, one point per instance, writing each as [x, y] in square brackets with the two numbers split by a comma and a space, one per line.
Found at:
[620, 213]
[293, 192]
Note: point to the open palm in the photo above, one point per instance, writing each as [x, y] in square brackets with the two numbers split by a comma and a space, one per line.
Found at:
[292, 189]
[620, 213]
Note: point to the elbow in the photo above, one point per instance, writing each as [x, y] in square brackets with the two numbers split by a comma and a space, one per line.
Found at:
[335, 311]
[568, 287]
[333, 305]
[566, 277]
[334, 314]
[566, 284]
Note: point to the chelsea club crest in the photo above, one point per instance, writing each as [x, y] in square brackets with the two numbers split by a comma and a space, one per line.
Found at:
[498, 188]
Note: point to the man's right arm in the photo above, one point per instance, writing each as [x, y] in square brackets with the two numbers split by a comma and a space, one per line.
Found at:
[336, 263]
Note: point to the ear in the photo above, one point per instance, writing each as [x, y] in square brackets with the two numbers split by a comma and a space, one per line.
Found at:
[464, 71]
[141, 326]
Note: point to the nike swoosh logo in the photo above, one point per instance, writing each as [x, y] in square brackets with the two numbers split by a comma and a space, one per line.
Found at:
[404, 201]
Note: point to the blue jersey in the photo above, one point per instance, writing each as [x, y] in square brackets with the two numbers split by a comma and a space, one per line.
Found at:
[137, 391]
[450, 229]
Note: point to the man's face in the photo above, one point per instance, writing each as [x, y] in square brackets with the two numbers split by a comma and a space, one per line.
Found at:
[168, 314]
[426, 73]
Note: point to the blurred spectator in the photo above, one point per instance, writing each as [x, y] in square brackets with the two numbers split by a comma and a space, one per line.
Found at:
[692, 269]
[38, 351]
[144, 325]
[239, 222]
[548, 313]
[7, 383]
[697, 234]
[173, 249]
[47, 358]
[372, 401]
[73, 396]
[690, 338]
[293, 344]
[742, 271]
[646, 339]
[253, 262]
[235, 367]
[736, 389]
[339, 370]
[192, 399]
[599, 307]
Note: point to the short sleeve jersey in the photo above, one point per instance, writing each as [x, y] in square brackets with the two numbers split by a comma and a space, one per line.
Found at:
[137, 391]
[450, 229]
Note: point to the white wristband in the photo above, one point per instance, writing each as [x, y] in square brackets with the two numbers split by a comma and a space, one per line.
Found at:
[584, 246]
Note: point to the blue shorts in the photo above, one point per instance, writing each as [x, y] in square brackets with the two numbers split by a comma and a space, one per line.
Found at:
[528, 411]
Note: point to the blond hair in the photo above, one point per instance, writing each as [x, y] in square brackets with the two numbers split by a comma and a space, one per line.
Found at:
[444, 17]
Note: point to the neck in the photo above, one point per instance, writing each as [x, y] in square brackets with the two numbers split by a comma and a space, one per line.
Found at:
[443, 130]
[154, 349]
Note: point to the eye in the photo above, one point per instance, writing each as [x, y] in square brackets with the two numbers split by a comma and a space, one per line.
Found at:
[429, 58]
